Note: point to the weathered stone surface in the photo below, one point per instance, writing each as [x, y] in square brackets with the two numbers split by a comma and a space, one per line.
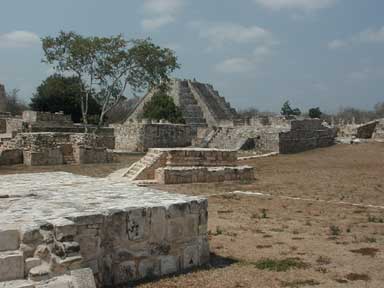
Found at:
[31, 263]
[11, 265]
[9, 238]
[17, 284]
[83, 278]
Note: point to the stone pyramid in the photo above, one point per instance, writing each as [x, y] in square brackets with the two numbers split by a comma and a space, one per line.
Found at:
[200, 104]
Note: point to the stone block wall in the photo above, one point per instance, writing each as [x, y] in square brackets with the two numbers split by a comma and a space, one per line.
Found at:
[91, 155]
[36, 116]
[305, 135]
[139, 137]
[199, 157]
[180, 175]
[11, 157]
[52, 156]
[379, 131]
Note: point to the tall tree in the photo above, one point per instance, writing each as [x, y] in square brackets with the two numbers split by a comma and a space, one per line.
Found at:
[60, 93]
[109, 65]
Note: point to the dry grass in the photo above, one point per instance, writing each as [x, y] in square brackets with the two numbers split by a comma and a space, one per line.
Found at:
[245, 230]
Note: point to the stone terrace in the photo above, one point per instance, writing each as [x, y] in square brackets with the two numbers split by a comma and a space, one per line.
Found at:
[57, 222]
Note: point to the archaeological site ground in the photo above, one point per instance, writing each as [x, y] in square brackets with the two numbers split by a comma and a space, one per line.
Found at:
[220, 200]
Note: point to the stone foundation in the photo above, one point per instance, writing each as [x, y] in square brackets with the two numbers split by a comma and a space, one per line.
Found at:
[179, 175]
[122, 232]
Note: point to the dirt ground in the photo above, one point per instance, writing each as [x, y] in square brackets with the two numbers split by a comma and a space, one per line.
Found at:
[313, 227]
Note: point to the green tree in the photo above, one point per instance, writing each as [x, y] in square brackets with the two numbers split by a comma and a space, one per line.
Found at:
[60, 93]
[287, 110]
[315, 112]
[162, 107]
[109, 65]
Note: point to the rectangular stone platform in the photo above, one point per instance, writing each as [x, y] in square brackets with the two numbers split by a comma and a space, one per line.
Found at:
[54, 223]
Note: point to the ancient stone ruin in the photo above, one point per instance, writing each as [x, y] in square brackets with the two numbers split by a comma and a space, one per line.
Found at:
[49, 229]
[186, 165]
[42, 138]
[360, 131]
[379, 131]
[200, 104]
[280, 135]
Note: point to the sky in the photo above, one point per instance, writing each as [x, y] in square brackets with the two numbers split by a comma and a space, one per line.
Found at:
[256, 53]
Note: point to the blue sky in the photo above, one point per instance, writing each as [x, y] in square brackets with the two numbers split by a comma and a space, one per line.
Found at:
[257, 53]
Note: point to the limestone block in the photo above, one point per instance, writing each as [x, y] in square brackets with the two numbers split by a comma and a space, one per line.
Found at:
[9, 239]
[31, 263]
[175, 229]
[17, 284]
[190, 257]
[11, 265]
[30, 234]
[57, 282]
[191, 226]
[149, 268]
[136, 224]
[64, 229]
[204, 253]
[169, 264]
[88, 219]
[158, 224]
[89, 246]
[83, 278]
[124, 272]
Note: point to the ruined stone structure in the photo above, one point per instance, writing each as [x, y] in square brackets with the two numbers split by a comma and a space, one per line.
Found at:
[140, 136]
[40, 138]
[361, 131]
[306, 135]
[200, 104]
[122, 232]
[379, 131]
[186, 165]
[3, 99]
[265, 137]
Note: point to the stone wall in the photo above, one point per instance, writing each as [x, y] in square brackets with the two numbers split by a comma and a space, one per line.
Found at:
[139, 137]
[37, 116]
[305, 135]
[11, 157]
[180, 175]
[379, 131]
[51, 156]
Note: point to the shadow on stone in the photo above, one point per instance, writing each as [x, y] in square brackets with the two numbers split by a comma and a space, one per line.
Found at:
[216, 262]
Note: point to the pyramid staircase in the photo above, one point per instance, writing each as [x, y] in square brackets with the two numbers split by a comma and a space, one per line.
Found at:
[190, 109]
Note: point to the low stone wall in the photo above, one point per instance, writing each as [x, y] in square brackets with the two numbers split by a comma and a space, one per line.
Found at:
[179, 175]
[37, 116]
[306, 135]
[91, 155]
[198, 157]
[51, 156]
[139, 137]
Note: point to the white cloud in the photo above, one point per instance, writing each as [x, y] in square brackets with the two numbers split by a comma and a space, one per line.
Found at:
[220, 34]
[368, 36]
[244, 64]
[305, 5]
[159, 13]
[18, 39]
[235, 65]
[336, 44]
[156, 23]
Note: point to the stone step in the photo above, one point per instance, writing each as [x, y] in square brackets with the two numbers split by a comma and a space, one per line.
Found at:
[18, 284]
